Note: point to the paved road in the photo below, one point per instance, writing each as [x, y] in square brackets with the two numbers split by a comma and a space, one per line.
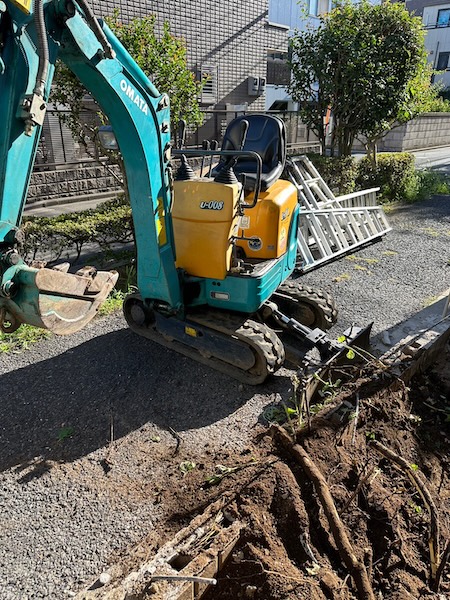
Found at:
[437, 159]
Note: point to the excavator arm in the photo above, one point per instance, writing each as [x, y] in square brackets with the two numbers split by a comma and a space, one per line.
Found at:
[33, 34]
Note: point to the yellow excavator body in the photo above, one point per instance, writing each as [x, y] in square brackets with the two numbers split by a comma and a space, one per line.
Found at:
[205, 220]
[266, 226]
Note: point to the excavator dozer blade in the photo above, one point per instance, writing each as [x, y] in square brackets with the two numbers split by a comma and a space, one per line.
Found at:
[356, 339]
[54, 299]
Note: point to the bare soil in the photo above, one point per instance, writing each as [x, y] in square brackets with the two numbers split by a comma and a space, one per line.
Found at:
[288, 548]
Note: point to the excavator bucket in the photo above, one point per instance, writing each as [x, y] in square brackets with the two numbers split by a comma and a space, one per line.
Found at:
[53, 298]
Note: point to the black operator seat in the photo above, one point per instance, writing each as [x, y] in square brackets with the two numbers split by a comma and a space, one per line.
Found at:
[266, 135]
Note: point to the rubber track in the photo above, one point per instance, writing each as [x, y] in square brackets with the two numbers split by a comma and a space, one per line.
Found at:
[321, 302]
[263, 341]
[266, 345]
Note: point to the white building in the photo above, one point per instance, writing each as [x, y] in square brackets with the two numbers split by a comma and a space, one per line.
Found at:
[289, 15]
[436, 19]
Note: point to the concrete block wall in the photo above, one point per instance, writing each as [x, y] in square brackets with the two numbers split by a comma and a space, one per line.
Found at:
[49, 185]
[430, 130]
[427, 131]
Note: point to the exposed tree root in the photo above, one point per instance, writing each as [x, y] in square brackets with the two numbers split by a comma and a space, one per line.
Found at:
[356, 568]
[440, 570]
[414, 477]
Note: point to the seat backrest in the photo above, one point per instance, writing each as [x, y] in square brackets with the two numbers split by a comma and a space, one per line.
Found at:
[266, 135]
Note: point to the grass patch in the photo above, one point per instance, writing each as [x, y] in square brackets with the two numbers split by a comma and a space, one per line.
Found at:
[429, 301]
[369, 261]
[431, 183]
[64, 433]
[390, 207]
[113, 303]
[430, 231]
[342, 277]
[22, 339]
[27, 335]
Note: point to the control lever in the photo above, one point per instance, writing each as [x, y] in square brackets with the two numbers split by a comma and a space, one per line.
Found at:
[181, 134]
[244, 130]
[214, 146]
[185, 171]
[206, 146]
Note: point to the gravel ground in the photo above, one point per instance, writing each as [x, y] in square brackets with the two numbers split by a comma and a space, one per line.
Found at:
[390, 281]
[64, 515]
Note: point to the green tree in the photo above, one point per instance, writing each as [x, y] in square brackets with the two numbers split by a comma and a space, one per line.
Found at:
[163, 58]
[361, 63]
[421, 96]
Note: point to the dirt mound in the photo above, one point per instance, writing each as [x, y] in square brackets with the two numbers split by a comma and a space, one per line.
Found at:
[349, 499]
[392, 506]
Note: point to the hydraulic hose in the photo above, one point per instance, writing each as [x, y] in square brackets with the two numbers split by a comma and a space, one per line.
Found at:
[42, 48]
[98, 31]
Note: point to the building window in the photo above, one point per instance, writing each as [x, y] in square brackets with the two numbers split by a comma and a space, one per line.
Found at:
[442, 62]
[209, 76]
[318, 7]
[443, 19]
[278, 71]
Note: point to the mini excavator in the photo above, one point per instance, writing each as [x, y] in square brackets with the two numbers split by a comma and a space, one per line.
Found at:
[215, 254]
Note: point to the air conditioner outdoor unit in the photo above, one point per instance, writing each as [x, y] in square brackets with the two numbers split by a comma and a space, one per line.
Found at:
[253, 86]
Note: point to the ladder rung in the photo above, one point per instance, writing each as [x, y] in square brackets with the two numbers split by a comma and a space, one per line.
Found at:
[329, 226]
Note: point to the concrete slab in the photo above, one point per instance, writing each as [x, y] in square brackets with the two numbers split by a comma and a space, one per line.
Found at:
[414, 344]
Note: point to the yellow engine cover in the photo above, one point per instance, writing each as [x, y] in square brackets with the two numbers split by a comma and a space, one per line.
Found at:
[204, 221]
[267, 224]
[24, 5]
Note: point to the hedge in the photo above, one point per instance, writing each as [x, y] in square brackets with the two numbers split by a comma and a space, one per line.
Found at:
[46, 238]
[339, 173]
[395, 175]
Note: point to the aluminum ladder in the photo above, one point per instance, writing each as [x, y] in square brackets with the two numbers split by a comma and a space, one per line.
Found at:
[332, 226]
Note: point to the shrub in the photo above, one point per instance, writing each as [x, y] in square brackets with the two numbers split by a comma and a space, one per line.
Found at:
[431, 182]
[339, 173]
[439, 104]
[394, 174]
[47, 238]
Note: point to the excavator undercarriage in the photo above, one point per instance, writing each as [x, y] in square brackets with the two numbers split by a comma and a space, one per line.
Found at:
[247, 349]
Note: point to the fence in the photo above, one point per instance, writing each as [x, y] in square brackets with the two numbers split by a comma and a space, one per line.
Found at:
[65, 168]
[216, 121]
[57, 149]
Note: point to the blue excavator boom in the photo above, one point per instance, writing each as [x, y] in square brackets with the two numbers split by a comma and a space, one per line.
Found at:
[32, 36]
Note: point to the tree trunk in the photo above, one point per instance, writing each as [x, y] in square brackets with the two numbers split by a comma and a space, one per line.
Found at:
[371, 152]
